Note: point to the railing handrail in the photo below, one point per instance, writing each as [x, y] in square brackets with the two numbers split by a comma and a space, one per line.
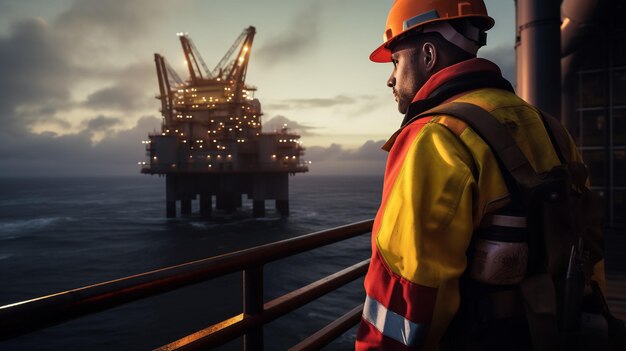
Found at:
[30, 315]
[226, 330]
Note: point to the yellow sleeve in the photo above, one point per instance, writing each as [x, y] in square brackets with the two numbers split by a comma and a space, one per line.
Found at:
[428, 220]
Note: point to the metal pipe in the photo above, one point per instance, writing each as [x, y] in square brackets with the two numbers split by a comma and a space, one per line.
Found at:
[27, 316]
[578, 17]
[538, 53]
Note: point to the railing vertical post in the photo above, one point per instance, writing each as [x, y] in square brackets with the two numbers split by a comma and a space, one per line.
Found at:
[253, 304]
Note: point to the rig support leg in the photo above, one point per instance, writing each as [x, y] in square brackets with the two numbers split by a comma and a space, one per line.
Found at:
[283, 207]
[258, 208]
[185, 207]
[228, 202]
[206, 204]
[170, 209]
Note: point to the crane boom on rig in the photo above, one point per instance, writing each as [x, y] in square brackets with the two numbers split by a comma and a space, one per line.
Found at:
[224, 62]
[193, 57]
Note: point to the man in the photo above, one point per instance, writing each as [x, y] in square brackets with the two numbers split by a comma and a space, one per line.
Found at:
[425, 290]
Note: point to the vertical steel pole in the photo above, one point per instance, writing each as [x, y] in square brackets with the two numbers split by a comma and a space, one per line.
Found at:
[538, 53]
[253, 304]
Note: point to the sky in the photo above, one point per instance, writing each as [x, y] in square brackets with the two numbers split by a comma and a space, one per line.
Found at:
[78, 86]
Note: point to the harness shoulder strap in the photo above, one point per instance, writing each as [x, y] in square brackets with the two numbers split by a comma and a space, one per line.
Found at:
[538, 290]
[498, 138]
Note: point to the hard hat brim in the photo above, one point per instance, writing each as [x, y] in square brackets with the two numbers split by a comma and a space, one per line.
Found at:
[382, 54]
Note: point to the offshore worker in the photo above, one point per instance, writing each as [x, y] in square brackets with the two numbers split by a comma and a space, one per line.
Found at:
[442, 184]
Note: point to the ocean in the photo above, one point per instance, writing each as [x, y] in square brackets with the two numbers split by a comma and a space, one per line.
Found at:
[58, 234]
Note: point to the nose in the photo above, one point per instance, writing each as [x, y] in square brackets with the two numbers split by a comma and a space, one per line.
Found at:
[391, 82]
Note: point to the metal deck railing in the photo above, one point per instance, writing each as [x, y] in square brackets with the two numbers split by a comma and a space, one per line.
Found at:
[35, 314]
[31, 315]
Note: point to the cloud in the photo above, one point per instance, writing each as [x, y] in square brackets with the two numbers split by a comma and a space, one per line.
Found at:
[308, 103]
[277, 122]
[101, 123]
[34, 71]
[60, 82]
[75, 154]
[503, 56]
[335, 159]
[100, 24]
[300, 36]
[369, 151]
[121, 97]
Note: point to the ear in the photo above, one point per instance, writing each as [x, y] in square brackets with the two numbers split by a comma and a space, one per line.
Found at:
[429, 55]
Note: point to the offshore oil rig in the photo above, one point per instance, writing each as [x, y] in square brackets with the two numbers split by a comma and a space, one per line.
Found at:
[211, 143]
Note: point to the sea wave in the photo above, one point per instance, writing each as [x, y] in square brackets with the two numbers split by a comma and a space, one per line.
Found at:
[25, 225]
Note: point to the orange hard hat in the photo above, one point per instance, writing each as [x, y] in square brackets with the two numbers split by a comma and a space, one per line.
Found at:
[406, 15]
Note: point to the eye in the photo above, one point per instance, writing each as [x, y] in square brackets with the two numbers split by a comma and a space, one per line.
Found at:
[395, 62]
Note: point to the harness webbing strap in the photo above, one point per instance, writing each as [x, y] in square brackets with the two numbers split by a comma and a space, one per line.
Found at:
[499, 139]
[538, 290]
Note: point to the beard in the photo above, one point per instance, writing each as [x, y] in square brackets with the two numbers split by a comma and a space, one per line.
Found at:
[403, 102]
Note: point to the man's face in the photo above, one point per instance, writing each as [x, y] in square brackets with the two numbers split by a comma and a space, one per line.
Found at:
[406, 78]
